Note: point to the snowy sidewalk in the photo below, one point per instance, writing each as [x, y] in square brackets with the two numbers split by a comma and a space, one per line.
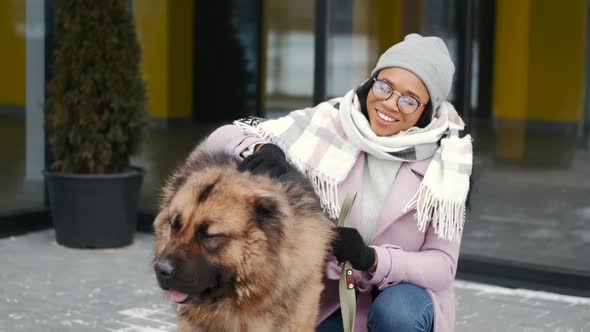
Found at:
[46, 287]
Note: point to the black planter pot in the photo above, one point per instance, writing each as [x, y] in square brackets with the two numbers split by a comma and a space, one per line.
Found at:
[94, 210]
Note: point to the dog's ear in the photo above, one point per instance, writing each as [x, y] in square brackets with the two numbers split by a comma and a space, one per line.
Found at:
[266, 208]
[268, 216]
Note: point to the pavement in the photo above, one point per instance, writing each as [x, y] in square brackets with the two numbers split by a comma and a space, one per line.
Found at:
[47, 287]
[533, 217]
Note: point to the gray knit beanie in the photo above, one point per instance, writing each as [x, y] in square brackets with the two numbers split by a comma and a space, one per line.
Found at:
[428, 58]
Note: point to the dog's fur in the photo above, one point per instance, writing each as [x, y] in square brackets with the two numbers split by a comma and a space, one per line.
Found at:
[249, 250]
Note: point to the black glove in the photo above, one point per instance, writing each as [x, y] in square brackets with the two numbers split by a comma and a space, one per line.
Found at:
[349, 246]
[269, 159]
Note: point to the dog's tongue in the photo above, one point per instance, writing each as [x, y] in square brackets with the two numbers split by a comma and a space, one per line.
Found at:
[174, 296]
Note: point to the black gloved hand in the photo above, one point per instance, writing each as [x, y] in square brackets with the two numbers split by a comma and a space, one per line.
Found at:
[349, 246]
[269, 159]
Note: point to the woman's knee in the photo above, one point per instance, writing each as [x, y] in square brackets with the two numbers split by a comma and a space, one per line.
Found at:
[404, 307]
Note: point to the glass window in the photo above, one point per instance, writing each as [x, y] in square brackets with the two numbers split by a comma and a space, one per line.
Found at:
[289, 33]
[532, 163]
[21, 175]
[212, 76]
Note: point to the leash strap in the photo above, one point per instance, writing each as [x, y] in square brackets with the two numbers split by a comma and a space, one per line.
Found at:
[346, 285]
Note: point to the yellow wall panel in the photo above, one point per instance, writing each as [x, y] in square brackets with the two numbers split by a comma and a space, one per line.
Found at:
[377, 25]
[151, 19]
[539, 69]
[165, 30]
[13, 55]
[557, 60]
[180, 59]
[510, 139]
[389, 23]
[539, 75]
[511, 59]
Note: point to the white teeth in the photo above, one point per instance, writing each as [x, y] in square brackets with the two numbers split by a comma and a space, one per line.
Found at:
[385, 117]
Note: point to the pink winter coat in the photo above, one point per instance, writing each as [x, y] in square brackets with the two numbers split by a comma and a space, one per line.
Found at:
[404, 253]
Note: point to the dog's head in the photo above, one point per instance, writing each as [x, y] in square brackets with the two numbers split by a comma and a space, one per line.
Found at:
[217, 237]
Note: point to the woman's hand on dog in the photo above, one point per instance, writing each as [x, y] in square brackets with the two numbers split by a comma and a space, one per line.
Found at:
[268, 159]
[349, 246]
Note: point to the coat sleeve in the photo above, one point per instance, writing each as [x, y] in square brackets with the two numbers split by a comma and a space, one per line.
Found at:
[433, 267]
[232, 139]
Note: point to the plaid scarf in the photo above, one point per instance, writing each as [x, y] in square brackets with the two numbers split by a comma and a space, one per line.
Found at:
[324, 143]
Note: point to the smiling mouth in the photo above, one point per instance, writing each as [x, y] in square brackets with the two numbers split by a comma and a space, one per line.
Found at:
[385, 117]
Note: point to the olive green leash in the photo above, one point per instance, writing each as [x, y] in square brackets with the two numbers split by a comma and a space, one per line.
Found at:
[346, 286]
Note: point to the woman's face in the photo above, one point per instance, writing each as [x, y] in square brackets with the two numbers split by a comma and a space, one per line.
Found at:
[384, 115]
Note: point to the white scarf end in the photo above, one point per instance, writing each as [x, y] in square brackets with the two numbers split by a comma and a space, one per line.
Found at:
[446, 217]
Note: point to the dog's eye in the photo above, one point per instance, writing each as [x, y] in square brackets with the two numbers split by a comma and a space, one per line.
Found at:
[201, 232]
[210, 241]
[213, 242]
[175, 224]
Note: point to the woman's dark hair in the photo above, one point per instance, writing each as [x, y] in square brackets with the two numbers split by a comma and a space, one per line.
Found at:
[363, 91]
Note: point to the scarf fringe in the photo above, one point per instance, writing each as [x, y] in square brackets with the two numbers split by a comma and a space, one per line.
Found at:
[328, 193]
[447, 217]
[325, 187]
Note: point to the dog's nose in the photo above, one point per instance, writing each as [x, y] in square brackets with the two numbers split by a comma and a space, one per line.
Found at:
[164, 268]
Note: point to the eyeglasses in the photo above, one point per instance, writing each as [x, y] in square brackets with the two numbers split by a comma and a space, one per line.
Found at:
[405, 103]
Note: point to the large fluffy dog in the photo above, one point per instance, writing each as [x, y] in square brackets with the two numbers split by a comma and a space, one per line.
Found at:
[239, 251]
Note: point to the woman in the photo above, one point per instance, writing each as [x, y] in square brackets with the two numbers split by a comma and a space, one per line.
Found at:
[396, 142]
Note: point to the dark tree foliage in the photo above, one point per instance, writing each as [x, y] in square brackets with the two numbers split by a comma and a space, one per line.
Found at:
[96, 100]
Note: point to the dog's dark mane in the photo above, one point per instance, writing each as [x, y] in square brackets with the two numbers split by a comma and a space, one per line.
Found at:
[197, 161]
[294, 182]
